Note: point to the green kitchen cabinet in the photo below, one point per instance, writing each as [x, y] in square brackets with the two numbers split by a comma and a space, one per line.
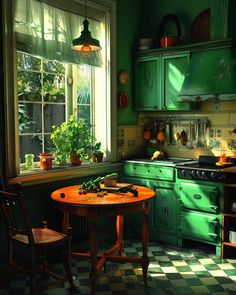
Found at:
[148, 83]
[159, 80]
[163, 217]
[174, 69]
[163, 208]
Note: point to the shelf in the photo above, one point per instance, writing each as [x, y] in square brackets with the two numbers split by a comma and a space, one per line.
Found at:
[230, 185]
[229, 244]
[233, 215]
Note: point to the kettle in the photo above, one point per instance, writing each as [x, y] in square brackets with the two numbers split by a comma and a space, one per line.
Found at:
[233, 206]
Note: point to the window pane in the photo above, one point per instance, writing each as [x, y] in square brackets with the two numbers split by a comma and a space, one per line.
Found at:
[29, 86]
[30, 118]
[53, 67]
[84, 112]
[54, 88]
[48, 147]
[30, 144]
[54, 114]
[28, 62]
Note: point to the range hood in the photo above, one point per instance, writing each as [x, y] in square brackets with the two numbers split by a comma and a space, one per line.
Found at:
[211, 75]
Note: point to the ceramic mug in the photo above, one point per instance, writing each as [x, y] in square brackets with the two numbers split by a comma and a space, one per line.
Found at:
[232, 236]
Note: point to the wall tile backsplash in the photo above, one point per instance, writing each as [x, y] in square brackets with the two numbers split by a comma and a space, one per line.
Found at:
[217, 137]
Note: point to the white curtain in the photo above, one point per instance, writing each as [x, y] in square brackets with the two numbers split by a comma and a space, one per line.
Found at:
[46, 31]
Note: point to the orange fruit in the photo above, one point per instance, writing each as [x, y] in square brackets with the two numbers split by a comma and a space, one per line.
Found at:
[147, 135]
[161, 136]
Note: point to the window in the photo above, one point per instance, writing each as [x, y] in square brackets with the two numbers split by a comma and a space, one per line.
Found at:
[52, 81]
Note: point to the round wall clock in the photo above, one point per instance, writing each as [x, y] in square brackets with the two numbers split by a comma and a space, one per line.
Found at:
[123, 78]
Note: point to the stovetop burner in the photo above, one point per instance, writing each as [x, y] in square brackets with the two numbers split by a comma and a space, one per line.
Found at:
[205, 168]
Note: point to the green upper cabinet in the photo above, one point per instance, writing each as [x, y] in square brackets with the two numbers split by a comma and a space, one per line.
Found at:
[148, 83]
[159, 80]
[174, 69]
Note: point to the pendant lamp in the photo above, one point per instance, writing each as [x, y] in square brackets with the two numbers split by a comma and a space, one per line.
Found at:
[85, 43]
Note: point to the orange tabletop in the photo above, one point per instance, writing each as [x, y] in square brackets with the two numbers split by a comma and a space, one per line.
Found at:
[95, 206]
[70, 195]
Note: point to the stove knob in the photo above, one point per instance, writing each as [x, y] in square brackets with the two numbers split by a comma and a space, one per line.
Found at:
[213, 175]
[183, 173]
[204, 175]
[199, 174]
[193, 173]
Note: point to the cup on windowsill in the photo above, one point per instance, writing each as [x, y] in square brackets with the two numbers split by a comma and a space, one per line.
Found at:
[46, 161]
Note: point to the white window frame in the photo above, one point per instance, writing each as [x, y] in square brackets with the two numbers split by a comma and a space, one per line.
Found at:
[10, 92]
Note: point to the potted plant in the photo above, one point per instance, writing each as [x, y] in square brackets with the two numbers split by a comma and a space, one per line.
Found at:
[72, 139]
[97, 154]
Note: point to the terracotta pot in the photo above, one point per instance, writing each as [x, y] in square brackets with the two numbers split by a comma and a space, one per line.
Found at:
[46, 161]
[75, 159]
[97, 157]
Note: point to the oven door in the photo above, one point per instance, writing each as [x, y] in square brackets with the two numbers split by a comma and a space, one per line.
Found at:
[199, 196]
[199, 226]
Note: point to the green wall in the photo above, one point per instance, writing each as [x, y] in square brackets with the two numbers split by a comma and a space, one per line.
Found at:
[131, 26]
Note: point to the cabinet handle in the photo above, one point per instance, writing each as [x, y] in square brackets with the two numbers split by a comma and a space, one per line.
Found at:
[214, 207]
[215, 236]
[197, 197]
[215, 222]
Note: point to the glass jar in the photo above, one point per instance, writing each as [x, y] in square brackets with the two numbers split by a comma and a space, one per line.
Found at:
[29, 161]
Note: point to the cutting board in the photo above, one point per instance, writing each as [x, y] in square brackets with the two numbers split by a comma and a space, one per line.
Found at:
[115, 188]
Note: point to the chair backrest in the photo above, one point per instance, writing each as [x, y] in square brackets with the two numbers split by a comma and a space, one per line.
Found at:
[15, 215]
[2, 185]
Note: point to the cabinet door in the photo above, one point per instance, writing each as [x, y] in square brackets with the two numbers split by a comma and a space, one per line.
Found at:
[200, 226]
[174, 69]
[148, 83]
[164, 210]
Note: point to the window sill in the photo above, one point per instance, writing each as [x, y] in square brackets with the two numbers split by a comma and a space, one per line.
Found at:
[57, 173]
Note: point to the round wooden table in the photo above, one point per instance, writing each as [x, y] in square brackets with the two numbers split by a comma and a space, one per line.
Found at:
[112, 204]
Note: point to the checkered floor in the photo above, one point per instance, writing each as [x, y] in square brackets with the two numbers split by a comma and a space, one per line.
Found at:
[172, 270]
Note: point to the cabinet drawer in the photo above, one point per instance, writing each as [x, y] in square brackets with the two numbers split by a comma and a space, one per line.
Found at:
[200, 197]
[149, 171]
[202, 227]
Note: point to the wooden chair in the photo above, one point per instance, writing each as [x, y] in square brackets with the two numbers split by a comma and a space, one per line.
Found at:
[36, 240]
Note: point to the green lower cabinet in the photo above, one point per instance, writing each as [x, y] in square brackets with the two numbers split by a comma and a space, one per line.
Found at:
[163, 211]
[200, 211]
[200, 226]
[163, 217]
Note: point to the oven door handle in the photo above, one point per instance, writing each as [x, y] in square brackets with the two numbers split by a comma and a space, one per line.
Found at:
[215, 208]
[215, 224]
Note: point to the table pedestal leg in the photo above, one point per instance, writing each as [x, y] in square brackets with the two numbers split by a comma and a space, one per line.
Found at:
[119, 232]
[93, 256]
[145, 236]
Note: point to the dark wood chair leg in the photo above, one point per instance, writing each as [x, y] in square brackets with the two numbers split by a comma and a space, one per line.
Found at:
[67, 259]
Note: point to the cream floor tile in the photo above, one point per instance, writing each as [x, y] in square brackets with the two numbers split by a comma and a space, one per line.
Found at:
[206, 261]
[197, 267]
[209, 281]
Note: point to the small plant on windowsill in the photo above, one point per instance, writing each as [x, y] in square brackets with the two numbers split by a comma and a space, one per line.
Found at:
[96, 153]
[72, 140]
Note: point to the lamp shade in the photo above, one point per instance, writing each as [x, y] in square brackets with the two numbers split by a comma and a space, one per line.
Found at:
[85, 43]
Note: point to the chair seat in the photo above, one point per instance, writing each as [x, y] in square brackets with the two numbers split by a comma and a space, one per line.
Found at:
[41, 236]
